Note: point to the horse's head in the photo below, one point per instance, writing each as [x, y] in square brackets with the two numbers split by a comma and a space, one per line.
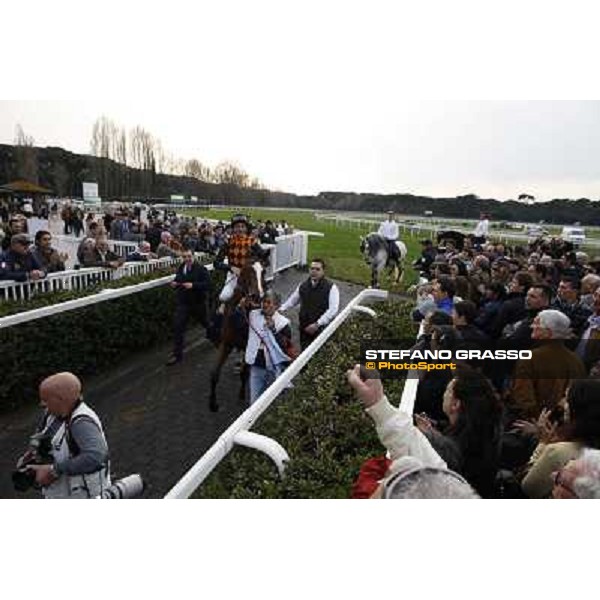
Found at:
[368, 247]
[364, 246]
[248, 279]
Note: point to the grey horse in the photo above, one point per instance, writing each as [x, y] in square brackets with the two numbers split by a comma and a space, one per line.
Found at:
[375, 250]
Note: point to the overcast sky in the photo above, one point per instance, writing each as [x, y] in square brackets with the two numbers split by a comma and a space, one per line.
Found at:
[313, 96]
[493, 149]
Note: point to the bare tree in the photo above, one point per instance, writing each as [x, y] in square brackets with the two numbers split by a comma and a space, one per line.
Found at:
[25, 155]
[121, 150]
[160, 157]
[22, 139]
[230, 173]
[142, 146]
[194, 168]
[177, 166]
[141, 150]
[104, 138]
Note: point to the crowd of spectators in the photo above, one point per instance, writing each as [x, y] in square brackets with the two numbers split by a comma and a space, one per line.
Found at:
[157, 233]
[509, 428]
[523, 427]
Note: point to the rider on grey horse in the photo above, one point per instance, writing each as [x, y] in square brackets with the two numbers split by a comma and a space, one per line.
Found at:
[388, 230]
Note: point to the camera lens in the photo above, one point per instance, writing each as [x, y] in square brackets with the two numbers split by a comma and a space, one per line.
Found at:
[23, 480]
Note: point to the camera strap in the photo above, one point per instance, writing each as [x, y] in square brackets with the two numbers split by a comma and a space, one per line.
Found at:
[50, 429]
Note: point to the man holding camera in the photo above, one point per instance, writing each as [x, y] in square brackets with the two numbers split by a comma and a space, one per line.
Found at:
[68, 456]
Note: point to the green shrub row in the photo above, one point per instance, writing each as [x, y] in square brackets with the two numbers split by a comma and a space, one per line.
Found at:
[86, 340]
[11, 307]
[322, 427]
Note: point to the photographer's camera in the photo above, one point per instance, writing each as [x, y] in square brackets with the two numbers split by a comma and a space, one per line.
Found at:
[39, 452]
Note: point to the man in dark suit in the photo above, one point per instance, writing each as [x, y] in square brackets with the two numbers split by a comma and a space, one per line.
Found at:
[192, 283]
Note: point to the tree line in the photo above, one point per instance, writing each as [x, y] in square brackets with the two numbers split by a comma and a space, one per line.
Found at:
[140, 149]
[134, 165]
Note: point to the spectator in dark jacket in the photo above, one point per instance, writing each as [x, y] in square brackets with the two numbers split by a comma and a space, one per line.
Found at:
[153, 235]
[537, 299]
[192, 284]
[568, 303]
[470, 444]
[463, 317]
[16, 225]
[17, 263]
[494, 296]
[430, 392]
[268, 234]
[49, 258]
[427, 257]
[513, 308]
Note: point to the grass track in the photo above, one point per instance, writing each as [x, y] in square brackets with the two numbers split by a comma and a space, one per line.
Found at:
[339, 248]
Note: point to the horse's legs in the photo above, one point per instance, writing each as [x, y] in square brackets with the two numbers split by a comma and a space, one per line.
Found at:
[223, 353]
[244, 374]
[400, 273]
[374, 277]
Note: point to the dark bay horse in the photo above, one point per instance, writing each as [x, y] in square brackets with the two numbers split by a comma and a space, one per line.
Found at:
[230, 331]
[375, 250]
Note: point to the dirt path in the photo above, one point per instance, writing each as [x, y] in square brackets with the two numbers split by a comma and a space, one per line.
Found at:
[156, 418]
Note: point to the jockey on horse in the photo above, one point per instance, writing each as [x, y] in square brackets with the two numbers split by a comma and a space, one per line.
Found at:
[384, 249]
[389, 231]
[239, 250]
[242, 291]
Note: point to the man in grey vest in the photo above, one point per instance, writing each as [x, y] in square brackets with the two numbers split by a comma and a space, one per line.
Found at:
[319, 301]
[79, 451]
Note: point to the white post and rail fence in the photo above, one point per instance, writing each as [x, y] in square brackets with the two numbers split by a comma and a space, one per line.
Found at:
[288, 251]
[238, 433]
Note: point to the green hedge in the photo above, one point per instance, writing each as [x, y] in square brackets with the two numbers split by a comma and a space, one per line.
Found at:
[324, 430]
[84, 341]
[12, 307]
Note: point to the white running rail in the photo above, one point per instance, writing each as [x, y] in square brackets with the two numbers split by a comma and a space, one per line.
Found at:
[238, 432]
[82, 278]
[77, 279]
[288, 251]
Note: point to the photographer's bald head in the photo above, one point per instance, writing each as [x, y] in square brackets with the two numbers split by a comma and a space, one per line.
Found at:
[60, 392]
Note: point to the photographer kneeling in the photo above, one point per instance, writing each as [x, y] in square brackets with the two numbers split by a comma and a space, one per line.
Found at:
[68, 455]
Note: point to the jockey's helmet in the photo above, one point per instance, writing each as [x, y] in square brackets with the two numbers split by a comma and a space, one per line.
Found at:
[240, 219]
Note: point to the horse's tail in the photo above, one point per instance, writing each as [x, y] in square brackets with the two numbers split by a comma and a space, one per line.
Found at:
[402, 248]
